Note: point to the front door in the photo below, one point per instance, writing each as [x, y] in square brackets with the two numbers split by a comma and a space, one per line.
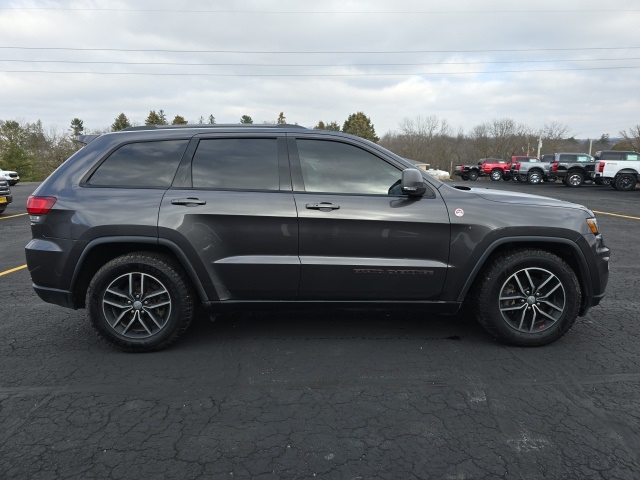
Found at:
[360, 238]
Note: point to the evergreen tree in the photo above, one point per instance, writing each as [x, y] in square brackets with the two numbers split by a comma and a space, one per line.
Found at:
[153, 119]
[333, 126]
[121, 122]
[359, 124]
[246, 119]
[77, 127]
[281, 119]
[179, 120]
[163, 117]
[212, 120]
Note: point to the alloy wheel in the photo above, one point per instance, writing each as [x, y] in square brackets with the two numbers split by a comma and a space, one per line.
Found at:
[532, 300]
[136, 305]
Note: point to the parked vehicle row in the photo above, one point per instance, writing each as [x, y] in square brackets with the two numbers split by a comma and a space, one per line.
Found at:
[620, 169]
[5, 195]
[494, 168]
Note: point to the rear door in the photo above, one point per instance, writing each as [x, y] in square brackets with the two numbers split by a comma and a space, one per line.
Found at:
[231, 210]
[360, 239]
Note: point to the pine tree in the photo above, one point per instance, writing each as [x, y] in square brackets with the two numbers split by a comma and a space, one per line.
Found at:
[121, 122]
[281, 119]
[333, 126]
[212, 120]
[246, 119]
[360, 125]
[153, 119]
[77, 127]
[179, 120]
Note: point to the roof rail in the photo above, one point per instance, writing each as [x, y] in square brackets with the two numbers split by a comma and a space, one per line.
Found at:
[216, 125]
[85, 139]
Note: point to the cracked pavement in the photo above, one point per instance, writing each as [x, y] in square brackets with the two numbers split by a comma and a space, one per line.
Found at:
[324, 394]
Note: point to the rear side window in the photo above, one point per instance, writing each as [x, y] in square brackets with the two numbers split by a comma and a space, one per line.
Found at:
[567, 157]
[583, 158]
[144, 164]
[632, 156]
[611, 156]
[236, 163]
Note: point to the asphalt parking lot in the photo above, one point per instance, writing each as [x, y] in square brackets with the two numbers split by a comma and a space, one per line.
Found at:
[326, 394]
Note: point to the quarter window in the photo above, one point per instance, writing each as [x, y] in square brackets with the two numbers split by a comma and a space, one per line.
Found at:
[246, 164]
[144, 164]
[334, 167]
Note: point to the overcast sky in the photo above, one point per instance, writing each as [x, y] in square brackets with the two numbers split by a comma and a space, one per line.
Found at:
[576, 62]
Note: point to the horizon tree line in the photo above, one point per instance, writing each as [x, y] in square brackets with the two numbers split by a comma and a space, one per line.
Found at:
[33, 151]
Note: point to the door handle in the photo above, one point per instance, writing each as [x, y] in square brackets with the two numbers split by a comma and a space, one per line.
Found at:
[322, 206]
[189, 202]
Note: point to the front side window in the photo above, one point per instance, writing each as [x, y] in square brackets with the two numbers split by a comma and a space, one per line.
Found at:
[583, 158]
[236, 163]
[632, 156]
[334, 167]
[143, 164]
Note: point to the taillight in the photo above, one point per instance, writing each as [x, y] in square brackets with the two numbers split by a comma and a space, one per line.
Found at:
[554, 166]
[600, 167]
[40, 205]
[517, 165]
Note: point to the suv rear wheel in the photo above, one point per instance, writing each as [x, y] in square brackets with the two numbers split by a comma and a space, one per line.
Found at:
[528, 298]
[496, 175]
[140, 302]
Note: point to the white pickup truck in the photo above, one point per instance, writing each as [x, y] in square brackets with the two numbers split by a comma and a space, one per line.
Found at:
[622, 173]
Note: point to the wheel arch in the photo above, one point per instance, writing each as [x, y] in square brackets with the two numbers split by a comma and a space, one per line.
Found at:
[102, 250]
[631, 171]
[564, 248]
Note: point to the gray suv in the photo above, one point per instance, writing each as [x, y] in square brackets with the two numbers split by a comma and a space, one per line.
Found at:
[146, 226]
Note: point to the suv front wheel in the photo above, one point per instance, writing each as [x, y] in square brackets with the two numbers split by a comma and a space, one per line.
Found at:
[528, 298]
[140, 302]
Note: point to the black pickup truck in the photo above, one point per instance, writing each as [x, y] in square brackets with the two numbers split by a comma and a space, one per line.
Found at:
[573, 168]
[5, 195]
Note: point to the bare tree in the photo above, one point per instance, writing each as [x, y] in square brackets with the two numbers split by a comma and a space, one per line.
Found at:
[632, 137]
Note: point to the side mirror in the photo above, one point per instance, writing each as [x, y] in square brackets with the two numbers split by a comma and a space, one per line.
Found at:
[412, 183]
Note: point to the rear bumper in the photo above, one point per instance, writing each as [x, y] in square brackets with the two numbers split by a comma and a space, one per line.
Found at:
[52, 295]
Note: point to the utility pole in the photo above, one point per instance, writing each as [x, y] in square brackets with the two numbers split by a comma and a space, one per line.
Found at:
[590, 145]
[539, 145]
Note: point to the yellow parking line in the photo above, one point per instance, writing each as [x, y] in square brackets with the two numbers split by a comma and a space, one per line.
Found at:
[616, 215]
[7, 272]
[13, 216]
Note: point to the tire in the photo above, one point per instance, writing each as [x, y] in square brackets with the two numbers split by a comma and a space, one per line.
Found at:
[625, 182]
[148, 320]
[534, 177]
[574, 179]
[510, 308]
[473, 175]
[550, 179]
[603, 181]
[3, 208]
[496, 175]
[520, 178]
[465, 176]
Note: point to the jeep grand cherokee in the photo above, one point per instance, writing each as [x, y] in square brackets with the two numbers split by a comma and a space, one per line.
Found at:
[144, 226]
